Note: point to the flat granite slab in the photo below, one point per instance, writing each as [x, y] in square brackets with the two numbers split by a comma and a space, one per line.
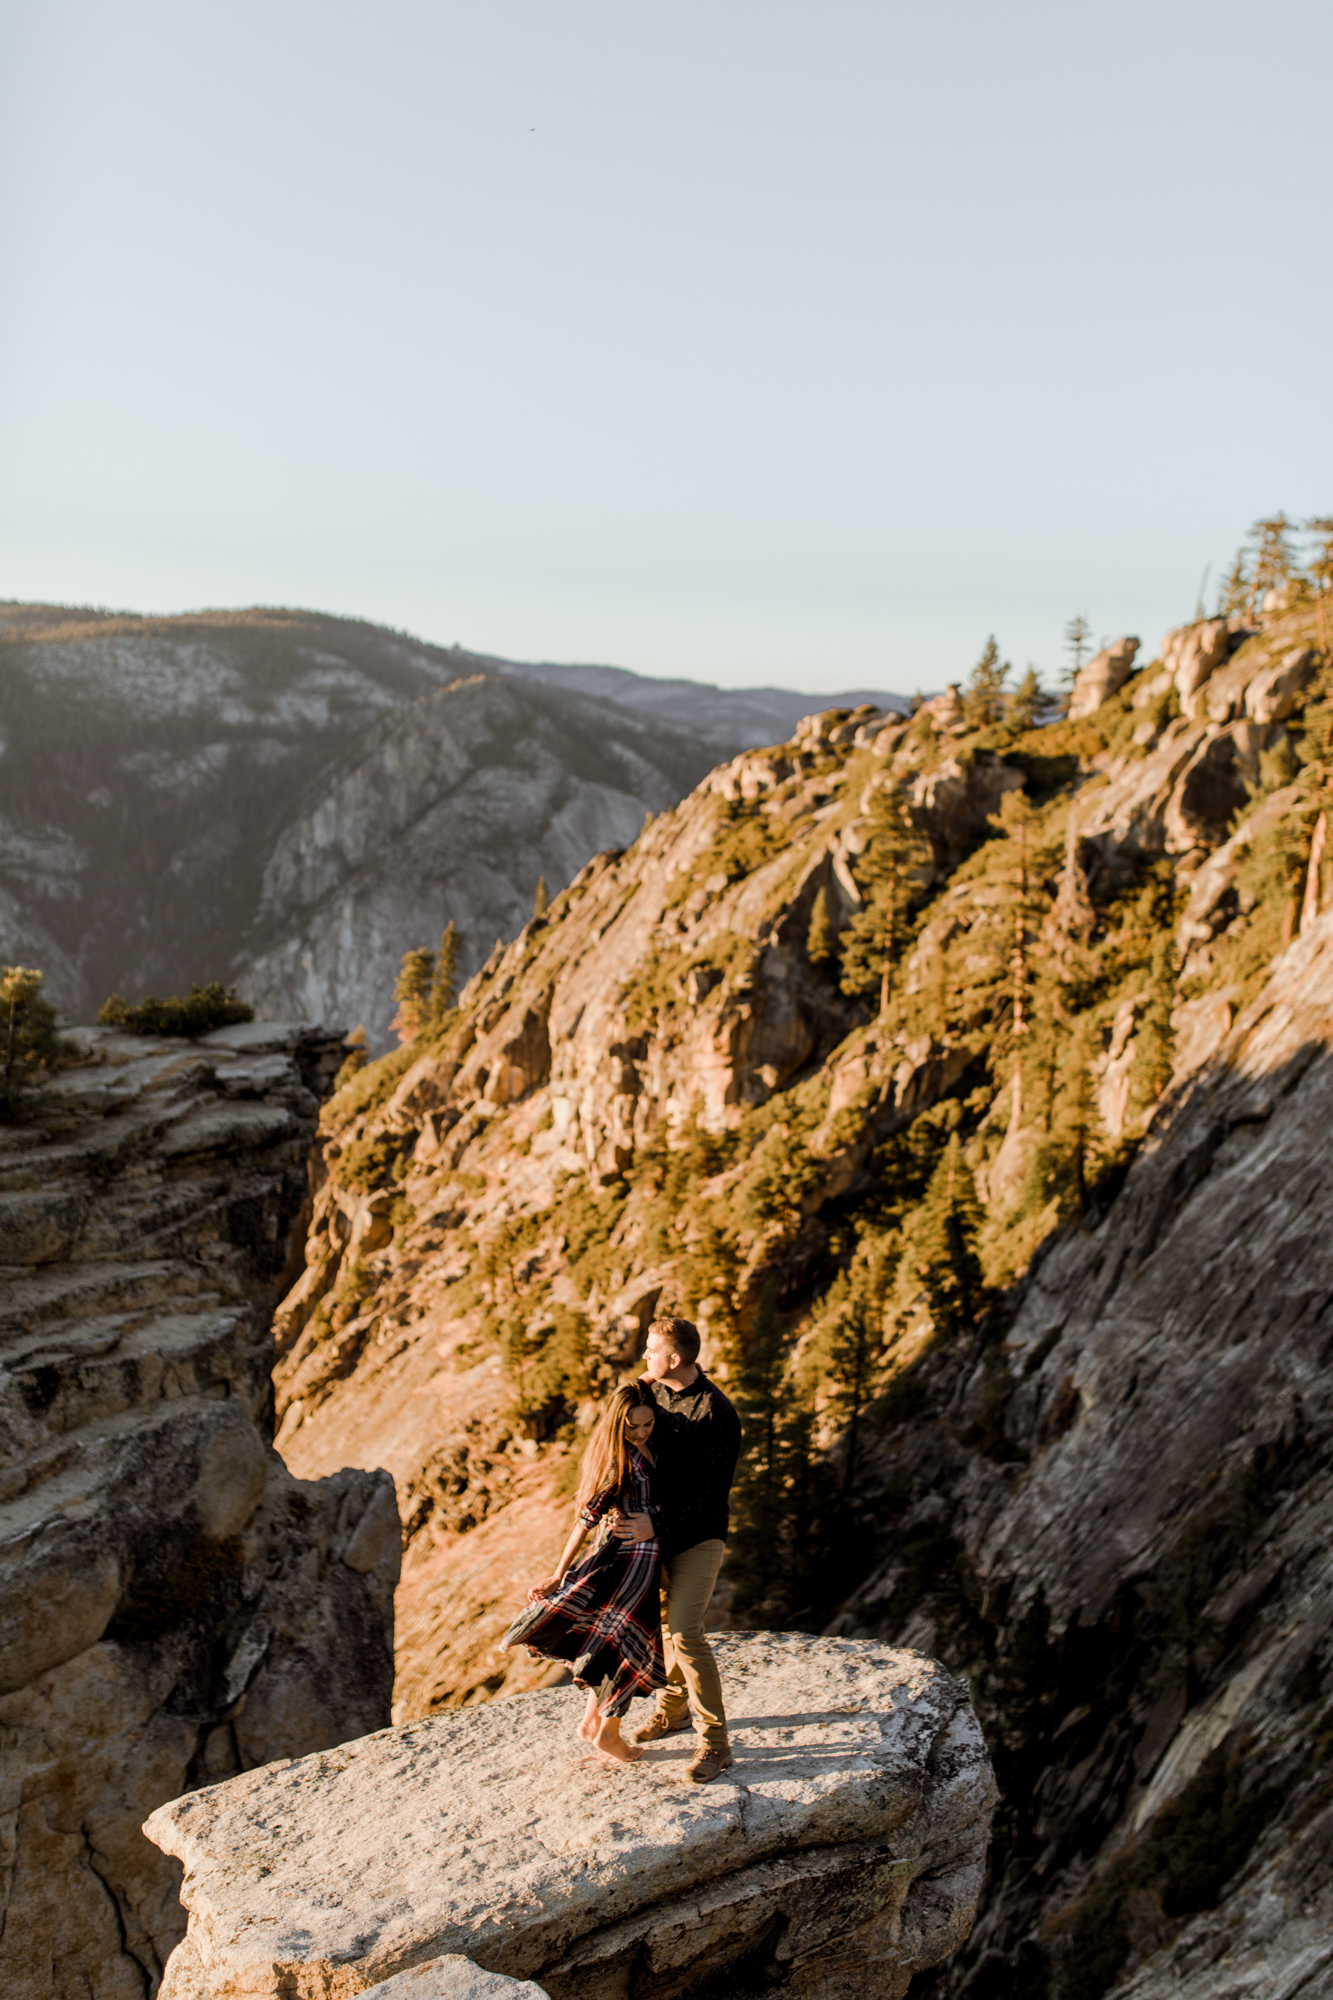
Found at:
[843, 1849]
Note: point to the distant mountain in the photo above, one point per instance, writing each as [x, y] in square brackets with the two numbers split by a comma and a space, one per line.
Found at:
[734, 718]
[290, 800]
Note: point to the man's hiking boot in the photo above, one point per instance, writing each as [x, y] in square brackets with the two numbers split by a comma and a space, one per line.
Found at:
[657, 1726]
[706, 1764]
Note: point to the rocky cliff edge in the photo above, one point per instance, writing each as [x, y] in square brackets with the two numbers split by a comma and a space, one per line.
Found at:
[842, 1852]
[174, 1606]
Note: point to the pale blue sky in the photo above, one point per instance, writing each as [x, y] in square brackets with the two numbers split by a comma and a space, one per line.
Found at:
[747, 340]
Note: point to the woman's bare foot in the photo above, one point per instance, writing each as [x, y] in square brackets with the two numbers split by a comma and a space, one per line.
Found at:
[608, 1742]
[588, 1725]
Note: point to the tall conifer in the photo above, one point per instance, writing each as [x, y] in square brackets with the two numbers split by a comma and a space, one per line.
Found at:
[893, 867]
[944, 1250]
[444, 985]
[412, 991]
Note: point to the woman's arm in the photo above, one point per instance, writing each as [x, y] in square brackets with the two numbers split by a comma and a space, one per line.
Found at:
[570, 1550]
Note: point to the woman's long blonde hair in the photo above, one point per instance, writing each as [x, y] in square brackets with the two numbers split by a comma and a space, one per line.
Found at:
[606, 1462]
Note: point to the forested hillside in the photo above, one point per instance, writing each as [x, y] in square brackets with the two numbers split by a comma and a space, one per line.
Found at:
[968, 1080]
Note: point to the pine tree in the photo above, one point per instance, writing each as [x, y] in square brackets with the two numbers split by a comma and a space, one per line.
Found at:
[444, 983]
[412, 991]
[821, 941]
[1273, 562]
[541, 901]
[1024, 703]
[1078, 633]
[944, 1249]
[30, 1046]
[893, 866]
[1061, 1168]
[758, 1540]
[983, 702]
[1321, 571]
[1017, 818]
[1235, 591]
[854, 1355]
[358, 1055]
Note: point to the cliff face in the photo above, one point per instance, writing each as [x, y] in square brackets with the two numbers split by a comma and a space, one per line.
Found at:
[966, 1082]
[841, 1853]
[279, 798]
[174, 1606]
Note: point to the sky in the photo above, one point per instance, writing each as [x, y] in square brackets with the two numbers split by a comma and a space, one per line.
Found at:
[749, 340]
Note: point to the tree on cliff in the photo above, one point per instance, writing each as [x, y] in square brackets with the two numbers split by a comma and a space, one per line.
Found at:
[1321, 570]
[1024, 703]
[541, 901]
[854, 1355]
[894, 867]
[426, 988]
[31, 1048]
[1078, 633]
[1273, 560]
[781, 1481]
[943, 1255]
[358, 1055]
[412, 991]
[444, 986]
[983, 702]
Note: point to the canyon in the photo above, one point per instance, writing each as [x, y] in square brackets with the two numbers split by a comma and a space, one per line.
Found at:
[1023, 1222]
[966, 1078]
[289, 801]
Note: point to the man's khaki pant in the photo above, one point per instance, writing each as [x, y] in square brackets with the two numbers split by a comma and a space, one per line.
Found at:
[693, 1680]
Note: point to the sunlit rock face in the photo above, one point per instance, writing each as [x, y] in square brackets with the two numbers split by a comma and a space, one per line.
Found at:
[174, 1605]
[840, 1854]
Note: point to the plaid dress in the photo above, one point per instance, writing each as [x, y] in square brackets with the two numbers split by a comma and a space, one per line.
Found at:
[605, 1618]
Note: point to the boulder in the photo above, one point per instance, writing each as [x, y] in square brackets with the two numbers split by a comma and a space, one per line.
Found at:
[1192, 653]
[1271, 695]
[1104, 675]
[842, 1852]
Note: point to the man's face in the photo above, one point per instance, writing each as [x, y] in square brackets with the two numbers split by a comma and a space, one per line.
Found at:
[660, 1358]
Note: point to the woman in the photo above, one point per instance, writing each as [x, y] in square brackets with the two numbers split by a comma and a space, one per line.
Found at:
[604, 1616]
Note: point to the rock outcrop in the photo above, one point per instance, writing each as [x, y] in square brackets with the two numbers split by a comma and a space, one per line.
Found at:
[842, 1853]
[1104, 675]
[174, 1605]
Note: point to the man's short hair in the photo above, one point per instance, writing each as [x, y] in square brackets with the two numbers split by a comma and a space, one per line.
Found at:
[682, 1335]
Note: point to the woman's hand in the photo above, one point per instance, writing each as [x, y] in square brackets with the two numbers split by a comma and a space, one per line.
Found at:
[544, 1589]
[631, 1527]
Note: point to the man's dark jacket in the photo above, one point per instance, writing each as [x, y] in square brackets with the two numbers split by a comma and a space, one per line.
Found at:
[696, 1442]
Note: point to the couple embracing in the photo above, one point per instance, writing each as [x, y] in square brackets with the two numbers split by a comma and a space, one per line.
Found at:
[629, 1618]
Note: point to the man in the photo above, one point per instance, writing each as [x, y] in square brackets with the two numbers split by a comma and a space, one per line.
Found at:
[698, 1443]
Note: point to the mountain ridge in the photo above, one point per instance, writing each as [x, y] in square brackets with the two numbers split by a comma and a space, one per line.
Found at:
[154, 766]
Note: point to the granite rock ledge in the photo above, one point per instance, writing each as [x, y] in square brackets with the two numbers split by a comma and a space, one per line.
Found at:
[840, 1855]
[174, 1606]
